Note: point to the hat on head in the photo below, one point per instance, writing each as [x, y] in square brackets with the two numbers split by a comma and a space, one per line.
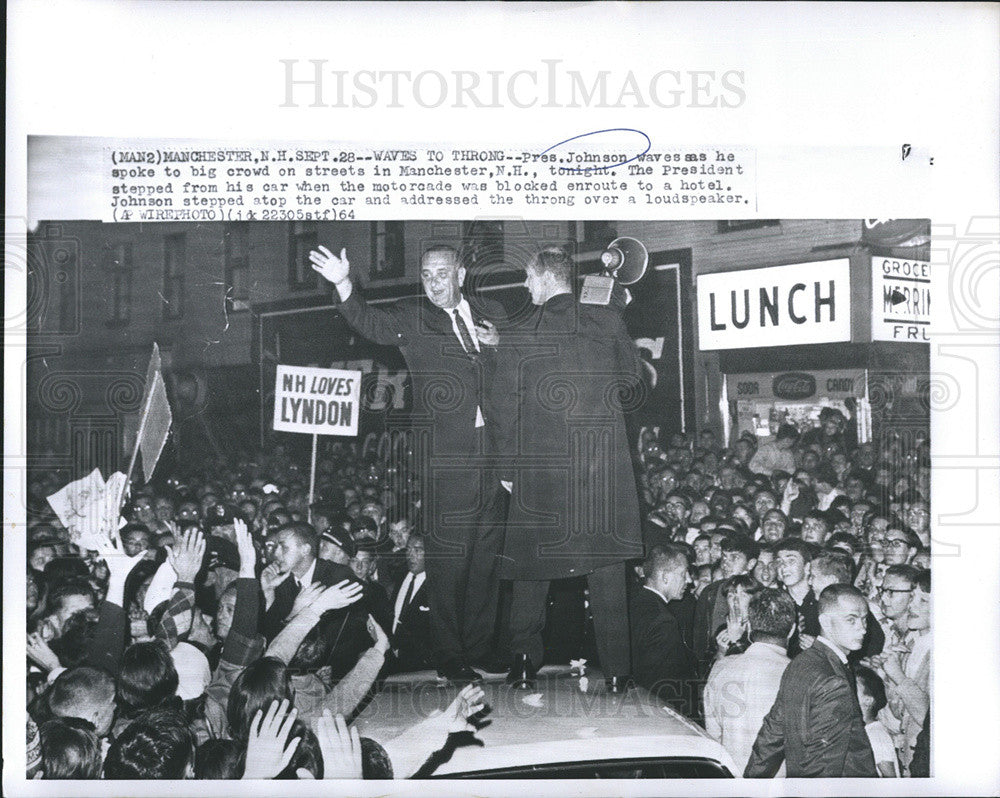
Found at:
[339, 537]
[221, 553]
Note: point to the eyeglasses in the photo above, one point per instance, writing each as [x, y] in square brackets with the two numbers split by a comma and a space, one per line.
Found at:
[883, 590]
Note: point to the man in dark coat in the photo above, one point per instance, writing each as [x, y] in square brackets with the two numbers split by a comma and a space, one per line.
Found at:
[661, 661]
[450, 351]
[816, 725]
[295, 566]
[572, 369]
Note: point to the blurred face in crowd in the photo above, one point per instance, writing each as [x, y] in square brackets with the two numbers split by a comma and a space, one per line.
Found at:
[676, 510]
[31, 597]
[764, 501]
[208, 501]
[728, 478]
[918, 517]
[290, 553]
[810, 460]
[845, 623]
[363, 565]
[791, 568]
[742, 514]
[442, 279]
[839, 462]
[814, 531]
[703, 552]
[858, 512]
[663, 483]
[415, 555]
[399, 533]
[898, 550]
[134, 541]
[187, 513]
[894, 596]
[328, 550]
[699, 510]
[715, 551]
[918, 616]
[163, 509]
[732, 563]
[764, 571]
[144, 512]
[41, 556]
[224, 614]
[773, 526]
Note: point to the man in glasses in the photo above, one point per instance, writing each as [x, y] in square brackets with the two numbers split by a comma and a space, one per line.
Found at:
[900, 546]
[893, 601]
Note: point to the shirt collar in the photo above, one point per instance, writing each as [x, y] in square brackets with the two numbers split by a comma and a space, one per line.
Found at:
[656, 592]
[307, 577]
[840, 654]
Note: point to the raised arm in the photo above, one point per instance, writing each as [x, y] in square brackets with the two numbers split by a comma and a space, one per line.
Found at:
[108, 644]
[309, 605]
[388, 326]
[345, 696]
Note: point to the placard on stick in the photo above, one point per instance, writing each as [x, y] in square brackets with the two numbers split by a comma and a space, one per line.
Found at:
[317, 401]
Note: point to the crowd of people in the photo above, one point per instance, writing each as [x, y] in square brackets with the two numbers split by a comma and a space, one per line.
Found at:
[189, 652]
[777, 594]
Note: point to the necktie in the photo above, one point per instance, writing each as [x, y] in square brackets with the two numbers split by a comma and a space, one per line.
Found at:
[406, 601]
[465, 335]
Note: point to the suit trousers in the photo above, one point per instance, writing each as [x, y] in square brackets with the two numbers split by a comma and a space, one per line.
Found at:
[608, 607]
[463, 588]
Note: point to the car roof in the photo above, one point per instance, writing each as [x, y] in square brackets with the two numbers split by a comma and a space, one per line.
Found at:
[564, 719]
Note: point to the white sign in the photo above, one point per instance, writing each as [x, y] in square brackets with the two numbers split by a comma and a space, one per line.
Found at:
[802, 303]
[317, 401]
[901, 300]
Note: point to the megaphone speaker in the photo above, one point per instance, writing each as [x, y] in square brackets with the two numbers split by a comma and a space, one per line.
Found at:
[625, 259]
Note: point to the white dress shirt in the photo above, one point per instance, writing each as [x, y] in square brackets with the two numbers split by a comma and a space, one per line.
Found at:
[466, 313]
[406, 593]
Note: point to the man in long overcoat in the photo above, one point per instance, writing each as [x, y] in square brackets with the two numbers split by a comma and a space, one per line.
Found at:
[570, 370]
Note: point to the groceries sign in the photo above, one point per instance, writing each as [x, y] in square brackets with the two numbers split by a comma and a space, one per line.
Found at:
[802, 303]
[319, 401]
[901, 300]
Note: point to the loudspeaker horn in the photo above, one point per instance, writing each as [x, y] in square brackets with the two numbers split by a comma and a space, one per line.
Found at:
[625, 259]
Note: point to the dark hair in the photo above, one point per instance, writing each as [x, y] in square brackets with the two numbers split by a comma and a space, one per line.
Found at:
[741, 543]
[746, 581]
[63, 569]
[807, 550]
[156, 745]
[304, 533]
[70, 749]
[844, 537]
[261, 682]
[667, 556]
[556, 261]
[77, 687]
[787, 432]
[59, 592]
[923, 580]
[873, 686]
[831, 596]
[825, 473]
[218, 759]
[73, 645]
[907, 572]
[375, 762]
[833, 564]
[771, 612]
[308, 754]
[147, 678]
[442, 249]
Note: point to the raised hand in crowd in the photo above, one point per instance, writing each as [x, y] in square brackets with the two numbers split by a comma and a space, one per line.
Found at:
[470, 701]
[246, 549]
[187, 554]
[340, 746]
[38, 651]
[268, 748]
[337, 596]
[120, 565]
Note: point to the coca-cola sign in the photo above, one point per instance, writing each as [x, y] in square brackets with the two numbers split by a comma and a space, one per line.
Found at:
[793, 385]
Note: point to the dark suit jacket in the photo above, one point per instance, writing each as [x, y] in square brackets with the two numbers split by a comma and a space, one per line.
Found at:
[815, 725]
[326, 573]
[411, 639]
[572, 370]
[661, 661]
[448, 386]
